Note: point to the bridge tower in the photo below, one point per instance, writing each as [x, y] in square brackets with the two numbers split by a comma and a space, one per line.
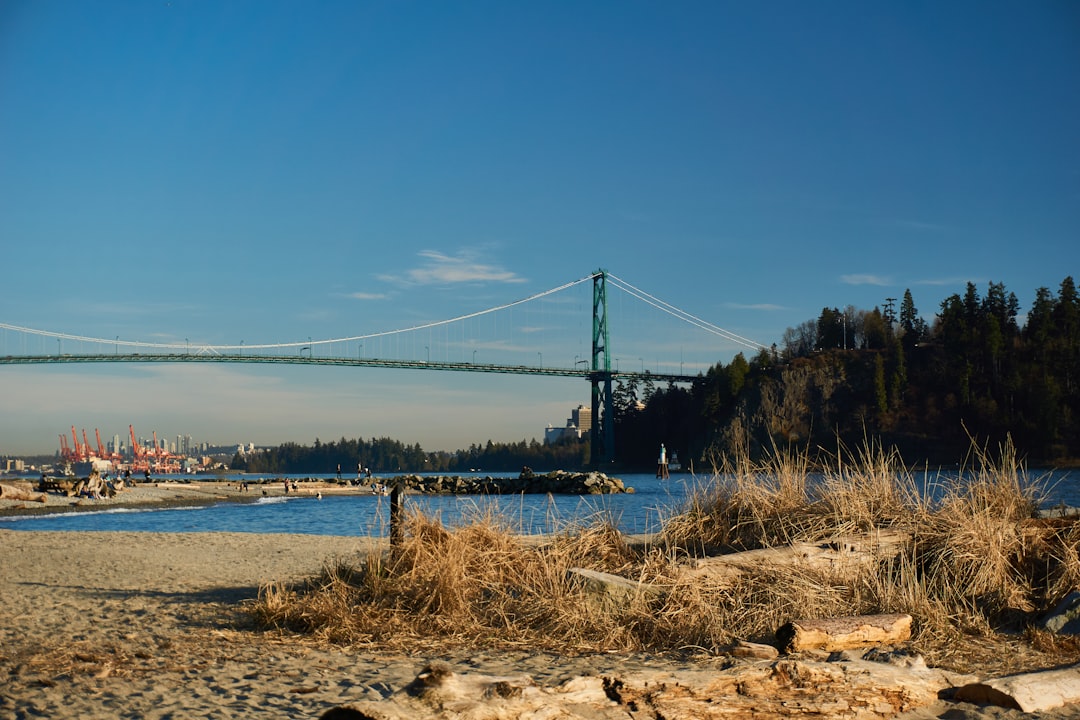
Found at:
[602, 434]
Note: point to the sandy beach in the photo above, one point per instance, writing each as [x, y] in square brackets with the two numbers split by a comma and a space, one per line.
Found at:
[143, 625]
[153, 625]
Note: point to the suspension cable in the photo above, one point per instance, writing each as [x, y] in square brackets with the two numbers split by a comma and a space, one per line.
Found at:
[682, 314]
[307, 343]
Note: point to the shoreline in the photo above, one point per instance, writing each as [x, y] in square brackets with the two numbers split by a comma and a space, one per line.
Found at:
[167, 494]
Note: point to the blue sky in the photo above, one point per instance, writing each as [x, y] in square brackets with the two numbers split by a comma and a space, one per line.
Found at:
[273, 171]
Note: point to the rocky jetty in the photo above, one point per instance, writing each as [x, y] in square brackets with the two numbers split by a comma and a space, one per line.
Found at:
[559, 482]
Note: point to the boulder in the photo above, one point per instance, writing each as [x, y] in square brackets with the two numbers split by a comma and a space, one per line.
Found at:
[1065, 617]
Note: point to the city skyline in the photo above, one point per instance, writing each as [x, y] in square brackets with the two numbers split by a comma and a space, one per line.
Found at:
[192, 172]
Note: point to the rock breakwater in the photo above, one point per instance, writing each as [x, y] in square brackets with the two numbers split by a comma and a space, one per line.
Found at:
[558, 482]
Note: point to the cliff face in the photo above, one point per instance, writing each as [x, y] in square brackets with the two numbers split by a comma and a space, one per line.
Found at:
[800, 402]
[812, 402]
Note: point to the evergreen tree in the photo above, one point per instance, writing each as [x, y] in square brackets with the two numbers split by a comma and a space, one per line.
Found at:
[830, 329]
[881, 397]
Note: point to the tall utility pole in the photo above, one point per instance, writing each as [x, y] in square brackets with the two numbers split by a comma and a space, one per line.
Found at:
[602, 434]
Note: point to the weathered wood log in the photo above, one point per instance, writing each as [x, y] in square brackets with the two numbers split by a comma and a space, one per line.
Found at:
[844, 633]
[757, 651]
[1030, 692]
[782, 688]
[14, 492]
[611, 588]
[841, 556]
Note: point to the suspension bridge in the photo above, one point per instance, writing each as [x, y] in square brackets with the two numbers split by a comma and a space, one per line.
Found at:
[597, 367]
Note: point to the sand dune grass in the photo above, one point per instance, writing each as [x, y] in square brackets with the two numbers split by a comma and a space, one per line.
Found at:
[980, 561]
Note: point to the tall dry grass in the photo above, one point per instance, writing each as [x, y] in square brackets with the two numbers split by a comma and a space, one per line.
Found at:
[978, 559]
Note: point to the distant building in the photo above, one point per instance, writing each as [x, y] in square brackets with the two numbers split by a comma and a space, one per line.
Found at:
[579, 423]
[582, 418]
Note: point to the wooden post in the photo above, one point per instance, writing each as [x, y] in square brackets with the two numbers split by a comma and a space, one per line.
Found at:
[396, 531]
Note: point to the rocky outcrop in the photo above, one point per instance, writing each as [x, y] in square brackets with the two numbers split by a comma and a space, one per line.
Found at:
[558, 482]
[803, 398]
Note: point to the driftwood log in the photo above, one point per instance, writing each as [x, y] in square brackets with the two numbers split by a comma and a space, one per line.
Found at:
[844, 633]
[1030, 692]
[760, 690]
[14, 492]
[839, 556]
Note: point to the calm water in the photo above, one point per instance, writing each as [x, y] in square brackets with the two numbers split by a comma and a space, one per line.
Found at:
[642, 511]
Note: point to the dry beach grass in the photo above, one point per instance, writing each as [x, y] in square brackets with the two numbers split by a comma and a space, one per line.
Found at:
[979, 562]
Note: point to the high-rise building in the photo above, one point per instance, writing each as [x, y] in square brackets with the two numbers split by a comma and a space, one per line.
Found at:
[582, 418]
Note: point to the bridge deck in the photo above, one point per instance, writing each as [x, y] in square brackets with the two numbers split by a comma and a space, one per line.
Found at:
[341, 361]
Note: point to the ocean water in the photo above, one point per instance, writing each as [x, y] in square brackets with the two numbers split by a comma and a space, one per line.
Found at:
[368, 515]
[643, 511]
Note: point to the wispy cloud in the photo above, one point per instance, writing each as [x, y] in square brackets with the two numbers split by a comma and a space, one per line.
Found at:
[366, 296]
[865, 279]
[769, 307]
[441, 269]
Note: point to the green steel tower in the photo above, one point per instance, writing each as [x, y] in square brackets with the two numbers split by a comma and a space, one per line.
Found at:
[602, 435]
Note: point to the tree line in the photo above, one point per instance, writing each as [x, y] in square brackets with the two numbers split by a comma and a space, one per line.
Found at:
[385, 455]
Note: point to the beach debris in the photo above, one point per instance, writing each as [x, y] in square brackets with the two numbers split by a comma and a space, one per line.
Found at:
[16, 492]
[851, 688]
[95, 486]
[1065, 617]
[1029, 692]
[844, 633]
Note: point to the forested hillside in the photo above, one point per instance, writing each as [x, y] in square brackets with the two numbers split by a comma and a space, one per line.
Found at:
[927, 388]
